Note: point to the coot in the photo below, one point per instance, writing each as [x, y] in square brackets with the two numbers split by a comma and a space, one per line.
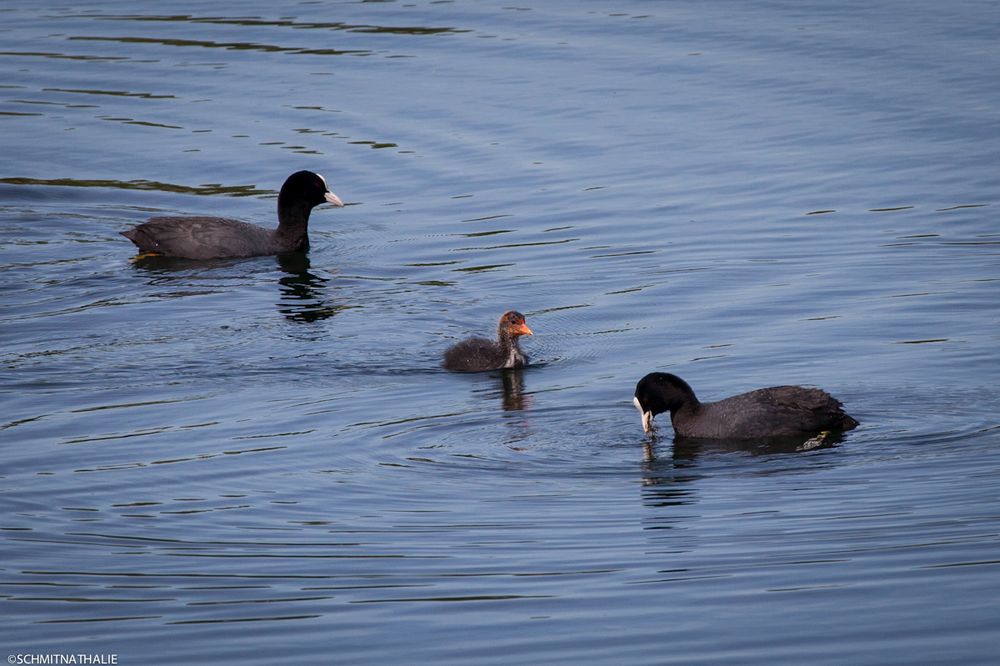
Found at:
[220, 237]
[482, 354]
[779, 411]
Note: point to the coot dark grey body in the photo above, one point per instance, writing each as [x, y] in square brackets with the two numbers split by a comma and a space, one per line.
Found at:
[778, 411]
[220, 237]
[482, 354]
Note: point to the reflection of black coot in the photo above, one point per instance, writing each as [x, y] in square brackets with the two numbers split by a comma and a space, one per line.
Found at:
[219, 237]
[303, 293]
[482, 354]
[779, 411]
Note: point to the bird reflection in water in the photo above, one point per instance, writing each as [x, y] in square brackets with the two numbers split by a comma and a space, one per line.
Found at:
[515, 402]
[686, 450]
[508, 386]
[302, 291]
[513, 397]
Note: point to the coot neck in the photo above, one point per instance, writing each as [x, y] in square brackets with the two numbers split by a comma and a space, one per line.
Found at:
[293, 224]
[510, 348]
[685, 412]
[682, 402]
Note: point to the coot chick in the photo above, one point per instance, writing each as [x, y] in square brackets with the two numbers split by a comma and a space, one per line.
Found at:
[220, 237]
[482, 354]
[779, 411]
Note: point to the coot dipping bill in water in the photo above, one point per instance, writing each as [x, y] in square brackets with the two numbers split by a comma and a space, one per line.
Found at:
[778, 411]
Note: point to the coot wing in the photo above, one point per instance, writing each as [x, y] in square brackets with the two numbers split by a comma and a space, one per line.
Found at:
[473, 354]
[785, 410]
[200, 237]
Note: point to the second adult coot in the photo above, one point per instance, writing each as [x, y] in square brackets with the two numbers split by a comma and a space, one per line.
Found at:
[778, 411]
[219, 237]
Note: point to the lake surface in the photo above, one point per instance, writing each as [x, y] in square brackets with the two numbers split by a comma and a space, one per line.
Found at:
[261, 460]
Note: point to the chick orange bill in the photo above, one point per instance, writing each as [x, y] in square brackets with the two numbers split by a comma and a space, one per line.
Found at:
[522, 329]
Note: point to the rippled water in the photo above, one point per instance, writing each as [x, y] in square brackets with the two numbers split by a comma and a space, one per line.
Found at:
[260, 460]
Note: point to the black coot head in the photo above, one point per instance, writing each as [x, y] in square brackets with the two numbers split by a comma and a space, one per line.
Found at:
[308, 187]
[660, 392]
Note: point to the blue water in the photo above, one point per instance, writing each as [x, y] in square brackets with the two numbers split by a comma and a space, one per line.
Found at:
[253, 461]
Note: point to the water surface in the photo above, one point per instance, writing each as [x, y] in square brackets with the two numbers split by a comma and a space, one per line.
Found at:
[260, 460]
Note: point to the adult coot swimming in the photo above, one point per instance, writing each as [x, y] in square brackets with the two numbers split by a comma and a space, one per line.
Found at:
[779, 411]
[220, 237]
[482, 354]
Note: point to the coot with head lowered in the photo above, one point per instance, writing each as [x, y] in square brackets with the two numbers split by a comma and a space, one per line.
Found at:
[219, 237]
[778, 411]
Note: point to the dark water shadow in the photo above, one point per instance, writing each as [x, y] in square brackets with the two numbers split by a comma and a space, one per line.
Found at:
[670, 480]
[516, 405]
[508, 387]
[143, 185]
[690, 449]
[513, 397]
[302, 295]
[302, 291]
[154, 263]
